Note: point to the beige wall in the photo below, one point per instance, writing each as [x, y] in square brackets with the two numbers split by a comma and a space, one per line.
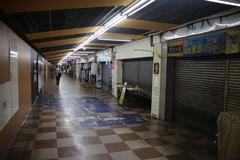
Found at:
[136, 49]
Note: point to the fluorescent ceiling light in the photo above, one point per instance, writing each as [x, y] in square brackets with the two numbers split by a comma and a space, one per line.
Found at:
[80, 52]
[114, 39]
[225, 2]
[137, 7]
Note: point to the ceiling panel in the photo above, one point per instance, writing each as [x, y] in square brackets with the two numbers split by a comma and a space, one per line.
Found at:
[179, 11]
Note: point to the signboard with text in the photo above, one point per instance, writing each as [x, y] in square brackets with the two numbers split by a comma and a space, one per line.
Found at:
[175, 49]
[213, 44]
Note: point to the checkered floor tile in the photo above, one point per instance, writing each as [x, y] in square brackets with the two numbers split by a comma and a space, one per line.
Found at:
[53, 133]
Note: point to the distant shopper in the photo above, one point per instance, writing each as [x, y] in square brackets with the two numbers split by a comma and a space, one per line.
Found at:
[58, 75]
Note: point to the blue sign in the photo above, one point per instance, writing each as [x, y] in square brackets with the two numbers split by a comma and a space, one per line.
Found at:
[213, 44]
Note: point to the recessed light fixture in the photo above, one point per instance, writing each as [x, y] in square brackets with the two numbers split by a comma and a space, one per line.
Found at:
[232, 3]
[114, 39]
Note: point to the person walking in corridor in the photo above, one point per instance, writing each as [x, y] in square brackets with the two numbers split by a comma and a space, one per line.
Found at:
[58, 75]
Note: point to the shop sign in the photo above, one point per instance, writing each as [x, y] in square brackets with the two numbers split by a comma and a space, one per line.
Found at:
[208, 45]
[233, 41]
[175, 49]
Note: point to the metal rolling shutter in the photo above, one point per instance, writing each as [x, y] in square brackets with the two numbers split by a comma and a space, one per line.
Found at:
[145, 76]
[139, 72]
[130, 74]
[233, 92]
[199, 92]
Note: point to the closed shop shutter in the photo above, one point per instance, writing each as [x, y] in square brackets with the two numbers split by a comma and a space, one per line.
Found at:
[130, 75]
[145, 75]
[233, 92]
[199, 92]
[138, 72]
[107, 73]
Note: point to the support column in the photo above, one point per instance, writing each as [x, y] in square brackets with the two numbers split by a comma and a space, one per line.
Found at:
[159, 81]
[116, 76]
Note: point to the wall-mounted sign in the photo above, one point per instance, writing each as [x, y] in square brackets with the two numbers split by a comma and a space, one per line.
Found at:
[175, 49]
[156, 68]
[233, 41]
[212, 44]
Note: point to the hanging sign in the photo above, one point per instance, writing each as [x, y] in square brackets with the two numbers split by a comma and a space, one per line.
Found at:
[208, 45]
[233, 41]
[175, 49]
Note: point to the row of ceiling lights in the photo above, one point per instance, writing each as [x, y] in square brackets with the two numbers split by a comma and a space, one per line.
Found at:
[133, 8]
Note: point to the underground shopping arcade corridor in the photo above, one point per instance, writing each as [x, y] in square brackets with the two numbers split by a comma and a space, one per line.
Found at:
[119, 79]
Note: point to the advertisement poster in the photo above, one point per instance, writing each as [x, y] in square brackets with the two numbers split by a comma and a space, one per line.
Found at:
[233, 41]
[175, 49]
[213, 44]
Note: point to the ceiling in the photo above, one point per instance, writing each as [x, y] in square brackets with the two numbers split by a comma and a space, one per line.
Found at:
[56, 27]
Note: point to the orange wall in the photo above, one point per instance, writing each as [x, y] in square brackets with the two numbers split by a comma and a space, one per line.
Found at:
[8, 133]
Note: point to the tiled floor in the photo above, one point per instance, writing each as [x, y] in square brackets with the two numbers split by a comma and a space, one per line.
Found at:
[55, 133]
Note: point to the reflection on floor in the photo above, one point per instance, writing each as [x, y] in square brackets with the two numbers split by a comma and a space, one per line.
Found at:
[72, 122]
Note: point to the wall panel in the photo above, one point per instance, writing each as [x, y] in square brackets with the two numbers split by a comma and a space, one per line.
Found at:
[9, 132]
[4, 53]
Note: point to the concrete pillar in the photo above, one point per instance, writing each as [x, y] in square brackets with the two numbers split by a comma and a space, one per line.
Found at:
[116, 76]
[159, 81]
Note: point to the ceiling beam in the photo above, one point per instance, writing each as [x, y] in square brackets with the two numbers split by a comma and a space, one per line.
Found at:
[75, 31]
[59, 42]
[102, 44]
[121, 36]
[57, 51]
[62, 32]
[146, 25]
[14, 6]
[56, 55]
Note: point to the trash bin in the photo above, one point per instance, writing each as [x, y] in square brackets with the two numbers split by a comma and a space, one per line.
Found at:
[229, 136]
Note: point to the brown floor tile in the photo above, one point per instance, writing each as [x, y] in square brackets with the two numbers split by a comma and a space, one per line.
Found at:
[104, 132]
[90, 140]
[63, 135]
[47, 120]
[188, 146]
[98, 157]
[139, 129]
[156, 141]
[31, 126]
[48, 113]
[147, 153]
[180, 157]
[129, 136]
[191, 136]
[26, 137]
[170, 125]
[45, 144]
[165, 132]
[46, 129]
[69, 152]
[116, 147]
